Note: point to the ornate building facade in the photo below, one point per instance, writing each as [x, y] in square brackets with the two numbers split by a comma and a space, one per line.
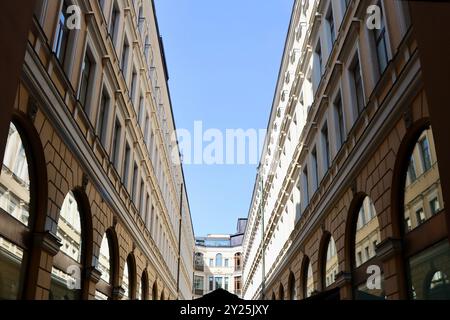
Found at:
[218, 262]
[93, 203]
[350, 194]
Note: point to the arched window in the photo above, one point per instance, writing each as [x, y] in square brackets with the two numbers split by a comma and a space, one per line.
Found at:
[67, 268]
[14, 179]
[423, 194]
[15, 203]
[331, 263]
[308, 279]
[367, 236]
[423, 212]
[273, 296]
[105, 266]
[281, 292]
[143, 288]
[155, 291]
[129, 278]
[162, 296]
[292, 287]
[218, 260]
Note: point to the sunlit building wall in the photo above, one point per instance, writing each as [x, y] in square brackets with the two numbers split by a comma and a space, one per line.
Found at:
[348, 185]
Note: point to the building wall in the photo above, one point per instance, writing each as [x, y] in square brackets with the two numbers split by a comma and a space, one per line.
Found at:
[305, 207]
[67, 151]
[206, 270]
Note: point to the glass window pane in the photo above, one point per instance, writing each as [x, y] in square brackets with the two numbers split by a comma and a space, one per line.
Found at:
[429, 273]
[367, 232]
[104, 262]
[423, 188]
[332, 265]
[69, 228]
[10, 270]
[65, 286]
[14, 178]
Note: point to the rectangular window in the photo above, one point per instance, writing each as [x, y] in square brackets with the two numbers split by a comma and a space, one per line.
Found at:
[412, 171]
[116, 143]
[425, 154]
[211, 262]
[85, 80]
[219, 282]
[124, 60]
[62, 34]
[305, 185]
[326, 147]
[133, 86]
[420, 216]
[126, 166]
[141, 112]
[227, 263]
[330, 22]
[141, 199]
[102, 128]
[211, 283]
[226, 283]
[358, 85]
[134, 183]
[340, 122]
[380, 43]
[315, 169]
[435, 206]
[114, 23]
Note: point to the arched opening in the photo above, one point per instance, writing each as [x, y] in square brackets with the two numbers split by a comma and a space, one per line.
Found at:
[422, 215]
[308, 278]
[162, 296]
[129, 278]
[143, 288]
[281, 292]
[155, 291]
[273, 296]
[291, 287]
[237, 261]
[364, 235]
[329, 262]
[106, 267]
[219, 259]
[67, 278]
[22, 204]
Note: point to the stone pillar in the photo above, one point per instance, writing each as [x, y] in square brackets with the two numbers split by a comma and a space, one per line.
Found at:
[44, 247]
[15, 22]
[430, 21]
[390, 253]
[93, 276]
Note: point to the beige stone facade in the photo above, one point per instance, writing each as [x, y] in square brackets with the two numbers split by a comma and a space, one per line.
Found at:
[94, 116]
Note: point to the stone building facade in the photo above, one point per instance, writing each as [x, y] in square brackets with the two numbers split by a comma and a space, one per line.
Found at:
[91, 184]
[218, 262]
[350, 192]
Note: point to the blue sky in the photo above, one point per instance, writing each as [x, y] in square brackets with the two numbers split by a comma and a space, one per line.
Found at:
[223, 59]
